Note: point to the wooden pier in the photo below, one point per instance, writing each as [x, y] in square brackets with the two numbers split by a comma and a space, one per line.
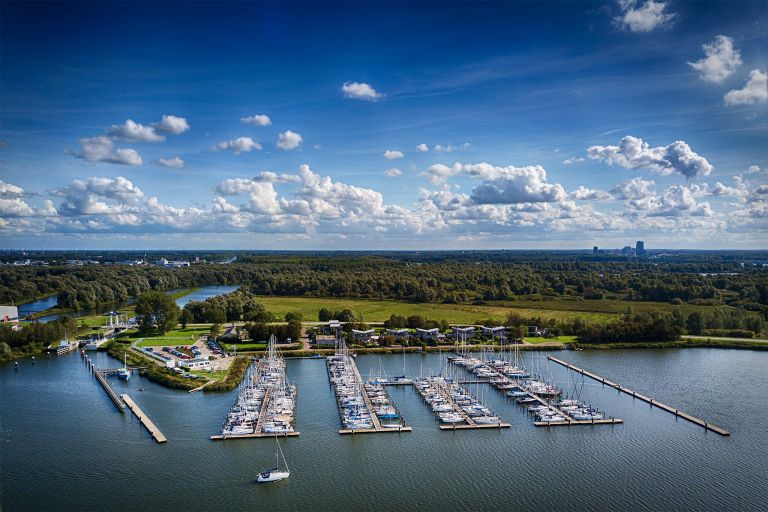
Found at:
[678, 413]
[156, 434]
[115, 399]
[375, 431]
[569, 422]
[470, 423]
[366, 398]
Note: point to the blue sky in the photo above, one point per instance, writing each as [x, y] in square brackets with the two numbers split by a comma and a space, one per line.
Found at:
[507, 124]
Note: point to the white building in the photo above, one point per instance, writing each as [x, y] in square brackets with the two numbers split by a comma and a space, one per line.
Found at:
[494, 331]
[195, 364]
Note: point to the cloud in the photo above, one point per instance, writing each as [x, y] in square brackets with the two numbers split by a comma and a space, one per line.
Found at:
[238, 145]
[755, 91]
[173, 124]
[101, 149]
[589, 194]
[360, 91]
[392, 173]
[573, 160]
[131, 131]
[721, 60]
[450, 149]
[273, 177]
[175, 162]
[10, 191]
[635, 153]
[755, 169]
[739, 189]
[14, 207]
[257, 120]
[289, 140]
[422, 148]
[89, 197]
[643, 16]
[509, 185]
[392, 154]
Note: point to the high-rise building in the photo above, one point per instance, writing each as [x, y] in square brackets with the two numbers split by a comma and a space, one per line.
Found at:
[594, 250]
[640, 248]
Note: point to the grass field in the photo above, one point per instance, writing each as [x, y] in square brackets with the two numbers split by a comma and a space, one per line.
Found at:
[380, 310]
[598, 311]
[556, 339]
[175, 337]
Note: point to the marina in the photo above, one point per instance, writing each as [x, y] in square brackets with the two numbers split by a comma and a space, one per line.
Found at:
[655, 403]
[364, 407]
[541, 398]
[266, 402]
[455, 407]
[46, 396]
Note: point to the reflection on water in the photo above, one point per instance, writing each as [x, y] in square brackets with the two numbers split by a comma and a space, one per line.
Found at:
[66, 437]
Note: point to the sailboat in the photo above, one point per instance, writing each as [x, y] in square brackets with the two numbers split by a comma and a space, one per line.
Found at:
[124, 373]
[274, 474]
[402, 379]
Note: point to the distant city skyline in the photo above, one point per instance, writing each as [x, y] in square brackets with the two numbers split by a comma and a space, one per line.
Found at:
[498, 125]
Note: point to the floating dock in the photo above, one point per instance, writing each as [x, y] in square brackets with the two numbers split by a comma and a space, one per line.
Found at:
[254, 435]
[144, 419]
[111, 392]
[678, 413]
[470, 423]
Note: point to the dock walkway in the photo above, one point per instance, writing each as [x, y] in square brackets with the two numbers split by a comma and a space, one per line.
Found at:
[634, 394]
[111, 392]
[144, 419]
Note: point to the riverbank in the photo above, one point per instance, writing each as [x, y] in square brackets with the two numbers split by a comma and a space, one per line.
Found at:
[689, 343]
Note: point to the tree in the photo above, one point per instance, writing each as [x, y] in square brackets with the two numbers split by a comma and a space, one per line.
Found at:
[186, 317]
[294, 317]
[156, 310]
[324, 315]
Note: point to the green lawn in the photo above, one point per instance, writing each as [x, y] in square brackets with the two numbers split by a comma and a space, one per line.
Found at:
[244, 346]
[175, 337]
[218, 375]
[557, 339]
[380, 310]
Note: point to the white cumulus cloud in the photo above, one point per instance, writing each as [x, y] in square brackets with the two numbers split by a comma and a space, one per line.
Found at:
[422, 148]
[238, 145]
[289, 140]
[635, 153]
[102, 149]
[643, 16]
[721, 60]
[755, 91]
[173, 124]
[360, 91]
[394, 172]
[393, 154]
[175, 162]
[257, 120]
[134, 132]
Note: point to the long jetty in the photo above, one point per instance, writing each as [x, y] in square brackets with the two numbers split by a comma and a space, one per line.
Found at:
[634, 394]
[110, 392]
[144, 419]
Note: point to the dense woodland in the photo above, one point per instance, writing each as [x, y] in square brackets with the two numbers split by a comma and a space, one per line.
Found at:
[426, 279]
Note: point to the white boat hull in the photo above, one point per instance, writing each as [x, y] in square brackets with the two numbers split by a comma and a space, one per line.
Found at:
[273, 476]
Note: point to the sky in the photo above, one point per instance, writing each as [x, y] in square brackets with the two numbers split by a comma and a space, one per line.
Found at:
[370, 126]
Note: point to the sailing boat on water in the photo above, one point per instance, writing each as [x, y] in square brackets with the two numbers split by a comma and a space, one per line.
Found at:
[275, 474]
[124, 373]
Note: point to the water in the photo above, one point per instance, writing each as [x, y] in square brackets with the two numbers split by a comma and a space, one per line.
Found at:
[37, 306]
[65, 447]
[206, 292]
[29, 308]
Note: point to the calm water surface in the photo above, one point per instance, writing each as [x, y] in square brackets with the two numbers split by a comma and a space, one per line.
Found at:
[64, 446]
[206, 292]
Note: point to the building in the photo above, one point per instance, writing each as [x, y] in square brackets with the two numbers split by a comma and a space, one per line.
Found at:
[398, 334]
[640, 248]
[463, 333]
[595, 250]
[10, 316]
[195, 364]
[332, 327]
[428, 334]
[627, 251]
[362, 335]
[494, 331]
[536, 331]
[324, 340]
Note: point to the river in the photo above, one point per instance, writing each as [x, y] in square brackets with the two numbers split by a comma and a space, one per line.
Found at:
[65, 447]
[37, 306]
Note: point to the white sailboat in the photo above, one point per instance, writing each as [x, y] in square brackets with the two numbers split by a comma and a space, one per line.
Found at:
[124, 373]
[274, 474]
